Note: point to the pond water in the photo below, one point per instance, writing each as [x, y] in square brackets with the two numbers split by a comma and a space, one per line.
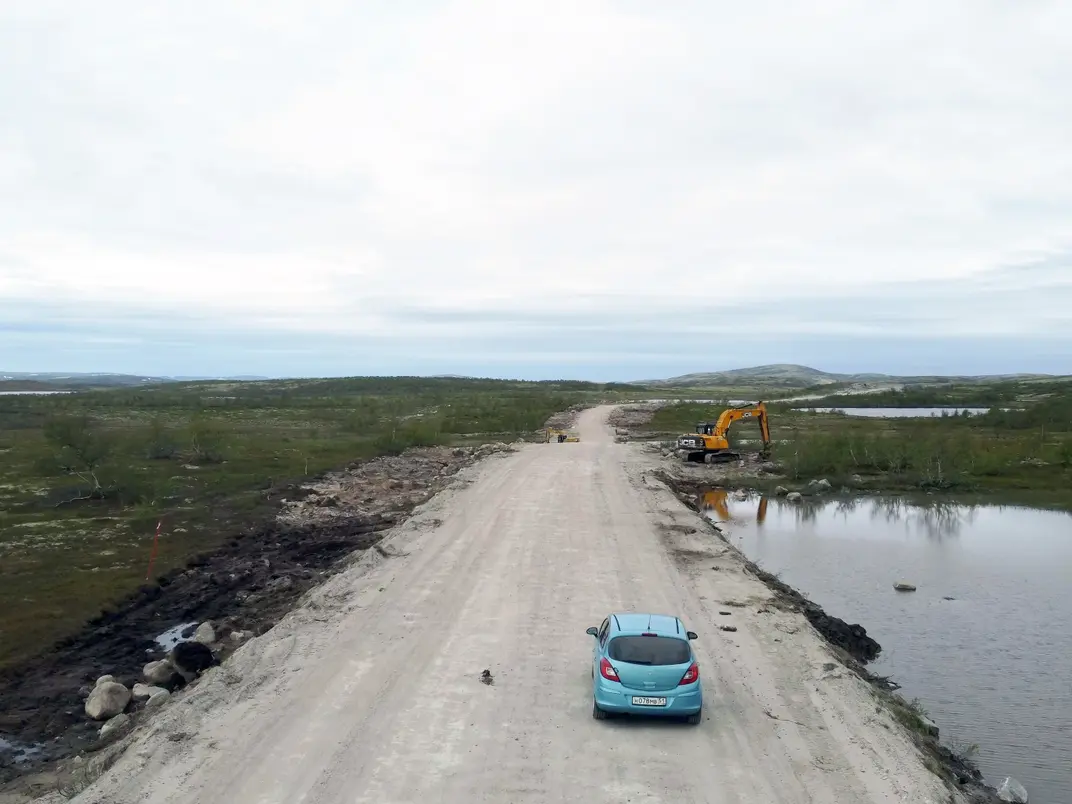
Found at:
[173, 636]
[985, 642]
[33, 393]
[898, 413]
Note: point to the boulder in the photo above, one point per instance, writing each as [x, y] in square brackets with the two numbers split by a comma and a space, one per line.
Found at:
[1012, 790]
[794, 496]
[157, 699]
[239, 636]
[114, 725]
[205, 634]
[850, 637]
[107, 700]
[191, 658]
[904, 586]
[158, 672]
[780, 491]
[142, 692]
[819, 486]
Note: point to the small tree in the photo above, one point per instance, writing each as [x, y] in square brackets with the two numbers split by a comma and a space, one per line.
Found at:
[161, 442]
[206, 441]
[81, 448]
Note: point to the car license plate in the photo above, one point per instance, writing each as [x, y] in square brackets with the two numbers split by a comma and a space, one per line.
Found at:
[638, 701]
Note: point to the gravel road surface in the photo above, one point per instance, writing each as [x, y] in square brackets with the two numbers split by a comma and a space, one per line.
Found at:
[371, 691]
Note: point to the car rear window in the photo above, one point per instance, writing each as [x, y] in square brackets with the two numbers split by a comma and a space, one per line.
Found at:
[653, 650]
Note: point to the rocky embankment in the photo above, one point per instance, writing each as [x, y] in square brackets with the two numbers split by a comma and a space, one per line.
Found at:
[92, 685]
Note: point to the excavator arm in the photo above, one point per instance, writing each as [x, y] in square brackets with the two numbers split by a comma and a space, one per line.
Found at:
[731, 415]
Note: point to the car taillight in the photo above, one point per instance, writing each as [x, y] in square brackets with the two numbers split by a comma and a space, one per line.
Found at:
[606, 669]
[691, 675]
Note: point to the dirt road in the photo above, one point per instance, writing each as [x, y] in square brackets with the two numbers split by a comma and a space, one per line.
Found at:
[372, 692]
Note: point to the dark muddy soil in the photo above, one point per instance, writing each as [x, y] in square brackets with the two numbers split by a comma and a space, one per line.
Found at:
[248, 585]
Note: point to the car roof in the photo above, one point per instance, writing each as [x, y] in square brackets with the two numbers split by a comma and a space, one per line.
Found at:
[643, 622]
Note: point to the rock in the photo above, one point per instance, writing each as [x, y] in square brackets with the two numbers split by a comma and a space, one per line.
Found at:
[157, 699]
[780, 491]
[819, 486]
[142, 692]
[158, 672]
[191, 658]
[794, 496]
[205, 634]
[1012, 790]
[104, 680]
[239, 636]
[850, 637]
[904, 586]
[107, 700]
[858, 480]
[114, 725]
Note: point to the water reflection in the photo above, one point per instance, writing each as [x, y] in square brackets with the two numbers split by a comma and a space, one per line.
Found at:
[937, 519]
[716, 502]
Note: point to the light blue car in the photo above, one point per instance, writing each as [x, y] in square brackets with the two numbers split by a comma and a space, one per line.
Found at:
[643, 664]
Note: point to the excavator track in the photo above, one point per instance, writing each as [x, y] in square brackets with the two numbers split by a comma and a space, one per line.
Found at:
[712, 457]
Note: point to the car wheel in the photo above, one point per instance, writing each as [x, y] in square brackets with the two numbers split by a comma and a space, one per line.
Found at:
[692, 720]
[598, 713]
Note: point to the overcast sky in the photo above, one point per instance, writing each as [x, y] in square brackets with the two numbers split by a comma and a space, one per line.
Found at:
[607, 190]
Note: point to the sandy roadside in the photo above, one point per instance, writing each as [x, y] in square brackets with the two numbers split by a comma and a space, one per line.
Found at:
[371, 692]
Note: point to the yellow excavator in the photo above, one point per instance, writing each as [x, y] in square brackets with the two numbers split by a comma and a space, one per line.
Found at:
[561, 436]
[709, 443]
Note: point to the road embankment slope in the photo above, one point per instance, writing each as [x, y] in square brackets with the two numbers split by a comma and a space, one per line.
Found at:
[371, 691]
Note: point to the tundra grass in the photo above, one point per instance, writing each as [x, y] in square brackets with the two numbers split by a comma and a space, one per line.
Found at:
[1021, 456]
[85, 477]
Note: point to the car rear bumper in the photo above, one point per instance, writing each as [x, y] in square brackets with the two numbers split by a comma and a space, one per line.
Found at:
[680, 701]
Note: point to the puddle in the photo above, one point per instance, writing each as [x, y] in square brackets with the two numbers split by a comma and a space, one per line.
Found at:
[173, 636]
[19, 752]
[984, 641]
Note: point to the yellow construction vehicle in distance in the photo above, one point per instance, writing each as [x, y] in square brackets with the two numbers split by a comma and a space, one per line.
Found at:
[709, 443]
[561, 436]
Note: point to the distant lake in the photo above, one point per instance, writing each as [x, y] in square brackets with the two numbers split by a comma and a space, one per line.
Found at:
[33, 393]
[898, 413]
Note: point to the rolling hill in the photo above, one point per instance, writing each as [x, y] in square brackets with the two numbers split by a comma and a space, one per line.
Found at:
[789, 375]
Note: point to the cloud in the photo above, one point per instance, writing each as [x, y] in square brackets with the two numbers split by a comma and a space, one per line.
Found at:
[548, 176]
